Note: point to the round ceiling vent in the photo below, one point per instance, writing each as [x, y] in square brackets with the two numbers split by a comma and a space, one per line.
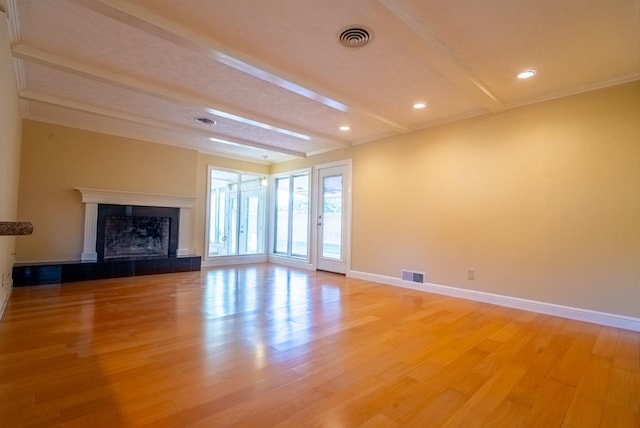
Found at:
[206, 121]
[354, 37]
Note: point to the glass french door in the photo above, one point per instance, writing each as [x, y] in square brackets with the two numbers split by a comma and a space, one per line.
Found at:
[332, 219]
[236, 214]
[250, 233]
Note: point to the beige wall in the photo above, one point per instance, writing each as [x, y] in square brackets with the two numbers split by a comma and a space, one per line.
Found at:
[543, 202]
[10, 125]
[56, 159]
[324, 158]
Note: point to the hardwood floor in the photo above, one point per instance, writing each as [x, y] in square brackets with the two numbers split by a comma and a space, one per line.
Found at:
[265, 345]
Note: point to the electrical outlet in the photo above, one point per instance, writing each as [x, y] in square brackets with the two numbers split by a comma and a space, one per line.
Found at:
[471, 274]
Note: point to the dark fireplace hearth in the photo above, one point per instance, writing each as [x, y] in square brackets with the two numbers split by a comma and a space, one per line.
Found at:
[130, 241]
[125, 231]
[146, 234]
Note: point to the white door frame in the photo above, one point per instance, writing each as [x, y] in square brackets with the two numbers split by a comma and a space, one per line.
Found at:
[315, 253]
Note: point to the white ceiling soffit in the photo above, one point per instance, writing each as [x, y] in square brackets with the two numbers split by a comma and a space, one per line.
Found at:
[277, 82]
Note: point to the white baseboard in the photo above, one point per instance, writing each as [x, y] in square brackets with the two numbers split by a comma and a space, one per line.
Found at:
[234, 260]
[291, 262]
[3, 304]
[587, 315]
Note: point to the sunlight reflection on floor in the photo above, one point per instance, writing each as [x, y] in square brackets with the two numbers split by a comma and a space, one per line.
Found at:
[274, 309]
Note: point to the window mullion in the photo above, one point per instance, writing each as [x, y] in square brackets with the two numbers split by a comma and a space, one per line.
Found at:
[290, 219]
[238, 212]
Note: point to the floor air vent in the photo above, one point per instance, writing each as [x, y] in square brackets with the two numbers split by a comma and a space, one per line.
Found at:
[408, 275]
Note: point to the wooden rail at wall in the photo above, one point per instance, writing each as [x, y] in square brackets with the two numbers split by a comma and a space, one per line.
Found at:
[11, 228]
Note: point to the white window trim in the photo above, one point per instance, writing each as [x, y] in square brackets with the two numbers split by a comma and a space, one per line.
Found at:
[208, 261]
[285, 259]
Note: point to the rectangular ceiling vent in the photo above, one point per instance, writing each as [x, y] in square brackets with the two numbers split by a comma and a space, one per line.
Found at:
[411, 276]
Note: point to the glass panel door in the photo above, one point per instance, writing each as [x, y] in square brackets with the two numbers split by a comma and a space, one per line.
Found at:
[251, 234]
[332, 217]
[331, 220]
[222, 188]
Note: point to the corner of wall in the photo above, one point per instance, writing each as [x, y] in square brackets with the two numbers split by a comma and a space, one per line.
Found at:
[10, 142]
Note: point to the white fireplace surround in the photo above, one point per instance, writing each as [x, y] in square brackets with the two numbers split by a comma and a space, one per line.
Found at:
[92, 197]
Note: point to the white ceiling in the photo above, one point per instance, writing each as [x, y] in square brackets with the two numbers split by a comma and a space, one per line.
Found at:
[278, 83]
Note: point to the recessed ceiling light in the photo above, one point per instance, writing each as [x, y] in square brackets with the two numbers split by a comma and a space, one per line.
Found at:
[526, 74]
[345, 128]
[206, 121]
[419, 105]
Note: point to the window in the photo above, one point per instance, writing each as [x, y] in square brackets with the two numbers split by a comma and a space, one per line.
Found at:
[283, 196]
[236, 213]
[291, 222]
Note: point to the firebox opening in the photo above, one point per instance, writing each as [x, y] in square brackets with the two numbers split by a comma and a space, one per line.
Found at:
[126, 232]
[136, 236]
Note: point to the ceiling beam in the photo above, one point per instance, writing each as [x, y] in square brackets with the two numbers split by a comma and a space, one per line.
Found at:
[140, 120]
[146, 21]
[443, 60]
[120, 80]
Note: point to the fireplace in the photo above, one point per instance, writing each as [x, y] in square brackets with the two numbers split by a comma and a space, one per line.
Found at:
[127, 231]
[125, 234]
[140, 213]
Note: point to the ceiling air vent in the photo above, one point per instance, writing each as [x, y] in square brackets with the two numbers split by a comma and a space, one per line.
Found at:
[354, 37]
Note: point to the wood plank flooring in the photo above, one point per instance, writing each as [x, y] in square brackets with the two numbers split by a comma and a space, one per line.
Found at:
[269, 346]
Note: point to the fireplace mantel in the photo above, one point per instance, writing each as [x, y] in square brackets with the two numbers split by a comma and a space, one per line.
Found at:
[118, 197]
[92, 197]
